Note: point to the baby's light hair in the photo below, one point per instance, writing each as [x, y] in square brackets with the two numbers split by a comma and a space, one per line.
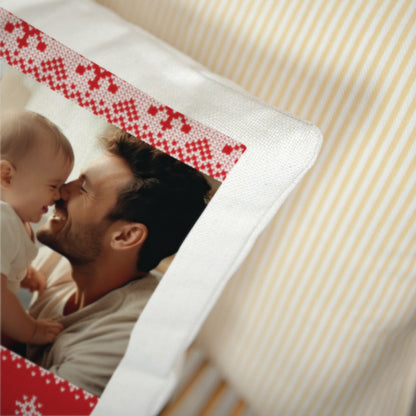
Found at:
[20, 132]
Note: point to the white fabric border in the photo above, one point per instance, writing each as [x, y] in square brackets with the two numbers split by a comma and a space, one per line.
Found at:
[280, 149]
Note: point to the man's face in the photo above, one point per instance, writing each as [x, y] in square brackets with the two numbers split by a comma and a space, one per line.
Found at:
[78, 227]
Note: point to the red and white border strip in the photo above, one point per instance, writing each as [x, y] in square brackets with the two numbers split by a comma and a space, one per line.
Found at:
[39, 391]
[65, 71]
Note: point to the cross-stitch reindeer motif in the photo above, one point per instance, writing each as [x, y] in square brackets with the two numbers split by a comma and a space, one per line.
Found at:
[99, 74]
[172, 115]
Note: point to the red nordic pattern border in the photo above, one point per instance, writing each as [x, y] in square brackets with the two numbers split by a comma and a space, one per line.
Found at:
[75, 77]
[39, 392]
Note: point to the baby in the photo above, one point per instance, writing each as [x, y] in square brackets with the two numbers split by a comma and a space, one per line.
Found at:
[36, 159]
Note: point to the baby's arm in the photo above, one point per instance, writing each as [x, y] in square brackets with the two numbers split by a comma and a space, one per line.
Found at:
[19, 325]
[34, 280]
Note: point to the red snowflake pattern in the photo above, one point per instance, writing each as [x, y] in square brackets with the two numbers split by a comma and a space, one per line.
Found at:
[27, 389]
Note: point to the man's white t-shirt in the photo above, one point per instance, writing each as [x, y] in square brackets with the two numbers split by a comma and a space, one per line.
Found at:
[95, 338]
[17, 248]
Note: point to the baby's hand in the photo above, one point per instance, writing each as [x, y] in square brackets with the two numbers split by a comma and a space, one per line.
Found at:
[34, 280]
[45, 332]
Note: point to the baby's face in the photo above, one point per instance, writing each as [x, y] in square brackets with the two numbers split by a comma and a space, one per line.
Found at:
[37, 181]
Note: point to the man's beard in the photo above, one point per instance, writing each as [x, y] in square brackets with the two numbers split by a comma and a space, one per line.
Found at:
[81, 247]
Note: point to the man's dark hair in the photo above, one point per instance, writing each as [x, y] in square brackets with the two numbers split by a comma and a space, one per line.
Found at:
[167, 196]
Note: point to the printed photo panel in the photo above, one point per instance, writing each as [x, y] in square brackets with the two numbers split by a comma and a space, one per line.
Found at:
[33, 82]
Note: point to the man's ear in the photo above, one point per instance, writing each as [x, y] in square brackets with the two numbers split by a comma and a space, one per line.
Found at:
[7, 171]
[129, 235]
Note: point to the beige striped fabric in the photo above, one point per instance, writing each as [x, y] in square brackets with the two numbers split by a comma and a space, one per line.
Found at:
[202, 391]
[321, 318]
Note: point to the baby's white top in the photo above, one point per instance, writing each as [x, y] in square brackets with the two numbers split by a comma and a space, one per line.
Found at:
[17, 248]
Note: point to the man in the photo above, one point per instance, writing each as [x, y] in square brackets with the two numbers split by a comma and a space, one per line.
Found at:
[126, 212]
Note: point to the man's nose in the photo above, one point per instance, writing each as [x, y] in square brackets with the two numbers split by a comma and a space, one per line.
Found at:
[66, 190]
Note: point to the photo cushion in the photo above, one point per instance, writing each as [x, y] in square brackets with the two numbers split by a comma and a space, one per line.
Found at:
[280, 148]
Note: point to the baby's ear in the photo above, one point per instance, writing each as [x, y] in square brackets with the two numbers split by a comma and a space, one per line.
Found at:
[7, 171]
